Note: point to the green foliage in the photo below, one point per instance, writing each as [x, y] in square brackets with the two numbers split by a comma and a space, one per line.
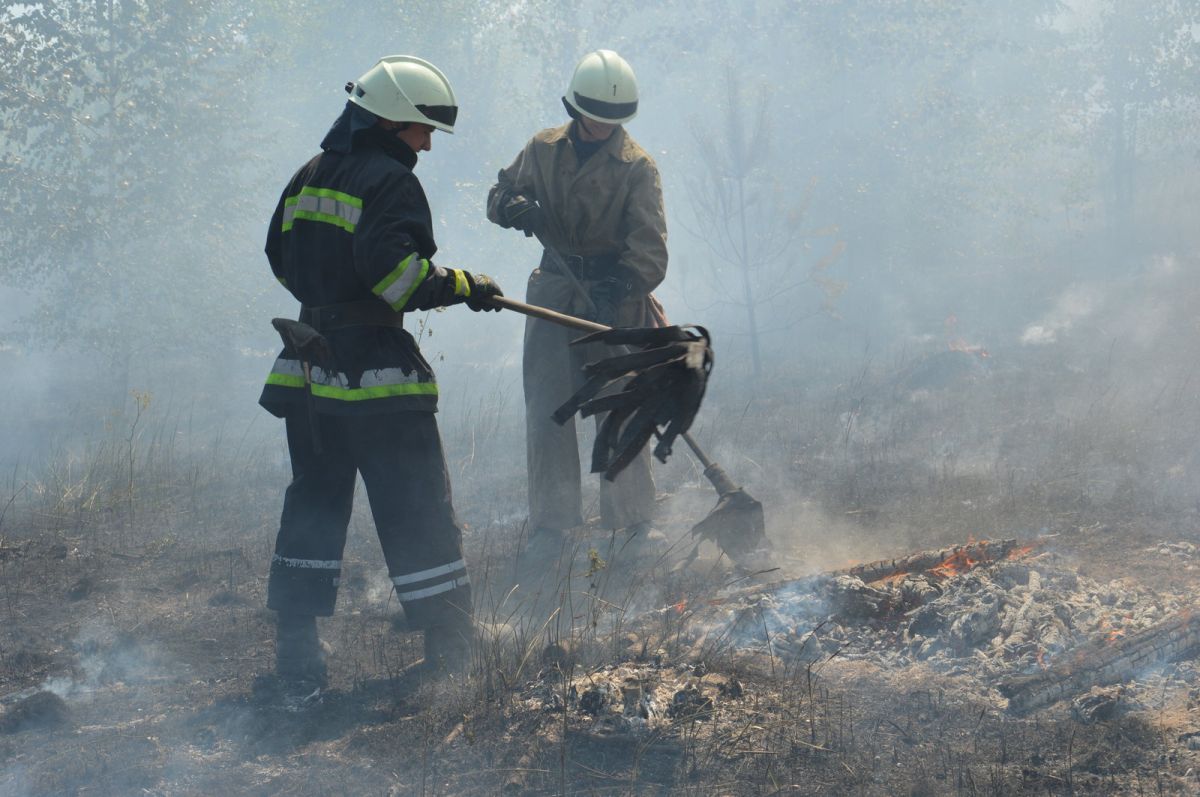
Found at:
[118, 209]
[1141, 60]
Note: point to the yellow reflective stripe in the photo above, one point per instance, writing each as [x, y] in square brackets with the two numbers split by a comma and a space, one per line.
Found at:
[356, 393]
[285, 380]
[462, 287]
[332, 385]
[352, 201]
[402, 282]
[328, 218]
[376, 391]
[324, 205]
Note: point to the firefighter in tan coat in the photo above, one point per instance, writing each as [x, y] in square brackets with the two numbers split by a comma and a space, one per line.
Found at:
[594, 197]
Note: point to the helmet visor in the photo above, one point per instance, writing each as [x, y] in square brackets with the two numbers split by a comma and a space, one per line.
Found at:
[606, 110]
[445, 114]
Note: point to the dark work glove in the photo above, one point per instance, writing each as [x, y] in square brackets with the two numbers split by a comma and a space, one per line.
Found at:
[483, 287]
[607, 295]
[524, 214]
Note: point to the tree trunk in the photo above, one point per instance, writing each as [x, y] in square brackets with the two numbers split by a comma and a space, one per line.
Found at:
[747, 285]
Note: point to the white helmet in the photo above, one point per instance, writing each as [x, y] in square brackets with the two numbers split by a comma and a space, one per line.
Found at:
[603, 88]
[404, 88]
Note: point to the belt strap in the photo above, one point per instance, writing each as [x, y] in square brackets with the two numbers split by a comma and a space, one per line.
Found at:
[592, 267]
[366, 313]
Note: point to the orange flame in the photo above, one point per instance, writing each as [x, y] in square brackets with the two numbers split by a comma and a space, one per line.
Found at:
[1115, 632]
[955, 564]
[1018, 553]
[959, 344]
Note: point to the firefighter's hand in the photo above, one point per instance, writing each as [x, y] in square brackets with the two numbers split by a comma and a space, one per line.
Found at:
[607, 295]
[483, 288]
[524, 214]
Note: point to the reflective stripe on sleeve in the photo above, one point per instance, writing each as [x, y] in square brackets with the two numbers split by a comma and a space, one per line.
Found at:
[324, 205]
[376, 383]
[437, 589]
[400, 284]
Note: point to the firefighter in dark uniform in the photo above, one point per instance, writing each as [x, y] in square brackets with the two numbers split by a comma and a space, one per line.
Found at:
[352, 239]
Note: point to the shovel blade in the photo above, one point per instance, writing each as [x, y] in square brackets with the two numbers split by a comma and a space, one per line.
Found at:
[736, 526]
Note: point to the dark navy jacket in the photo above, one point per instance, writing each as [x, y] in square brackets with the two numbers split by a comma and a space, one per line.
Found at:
[353, 224]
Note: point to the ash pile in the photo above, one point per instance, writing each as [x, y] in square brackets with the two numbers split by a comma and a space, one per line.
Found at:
[636, 697]
[1017, 625]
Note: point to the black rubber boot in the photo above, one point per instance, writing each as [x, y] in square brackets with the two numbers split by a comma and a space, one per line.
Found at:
[448, 648]
[298, 654]
[458, 646]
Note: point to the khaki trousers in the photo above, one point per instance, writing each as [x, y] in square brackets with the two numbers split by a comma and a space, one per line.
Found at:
[553, 371]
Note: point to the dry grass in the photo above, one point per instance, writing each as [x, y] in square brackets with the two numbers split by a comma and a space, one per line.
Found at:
[147, 549]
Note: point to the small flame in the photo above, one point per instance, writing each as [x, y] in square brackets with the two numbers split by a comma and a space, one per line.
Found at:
[1115, 632]
[1042, 655]
[1020, 553]
[680, 606]
[1111, 632]
[961, 345]
[955, 564]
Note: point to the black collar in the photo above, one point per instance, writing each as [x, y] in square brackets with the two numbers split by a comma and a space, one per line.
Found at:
[391, 146]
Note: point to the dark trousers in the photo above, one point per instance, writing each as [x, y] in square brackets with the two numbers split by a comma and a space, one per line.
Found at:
[400, 458]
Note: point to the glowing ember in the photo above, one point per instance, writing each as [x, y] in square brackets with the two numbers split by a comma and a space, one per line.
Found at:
[955, 565]
[1018, 553]
[966, 348]
[1115, 632]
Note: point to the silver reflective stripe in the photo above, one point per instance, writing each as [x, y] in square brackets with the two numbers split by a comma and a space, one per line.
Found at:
[425, 575]
[446, 586]
[314, 564]
[295, 368]
[377, 377]
[321, 206]
[412, 270]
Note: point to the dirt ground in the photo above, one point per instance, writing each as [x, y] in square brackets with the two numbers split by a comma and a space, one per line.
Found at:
[134, 635]
[134, 673]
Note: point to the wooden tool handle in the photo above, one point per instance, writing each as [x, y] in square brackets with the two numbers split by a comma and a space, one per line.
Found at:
[546, 314]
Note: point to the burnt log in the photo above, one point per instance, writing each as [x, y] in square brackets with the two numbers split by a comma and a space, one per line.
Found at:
[959, 557]
[1104, 662]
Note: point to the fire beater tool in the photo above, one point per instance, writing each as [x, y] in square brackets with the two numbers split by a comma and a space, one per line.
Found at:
[661, 384]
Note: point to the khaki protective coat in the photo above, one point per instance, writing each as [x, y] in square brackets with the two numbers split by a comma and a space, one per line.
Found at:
[612, 204]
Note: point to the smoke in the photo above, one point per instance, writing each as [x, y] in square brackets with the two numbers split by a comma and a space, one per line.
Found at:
[105, 656]
[900, 168]
[1075, 304]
